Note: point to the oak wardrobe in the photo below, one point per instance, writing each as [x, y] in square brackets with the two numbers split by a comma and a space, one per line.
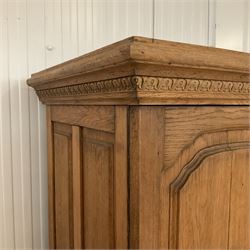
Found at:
[148, 147]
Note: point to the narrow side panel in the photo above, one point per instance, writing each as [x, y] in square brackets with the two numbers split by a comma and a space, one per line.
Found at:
[98, 189]
[51, 197]
[63, 186]
[77, 186]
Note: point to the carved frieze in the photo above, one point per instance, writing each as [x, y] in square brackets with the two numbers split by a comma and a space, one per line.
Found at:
[147, 83]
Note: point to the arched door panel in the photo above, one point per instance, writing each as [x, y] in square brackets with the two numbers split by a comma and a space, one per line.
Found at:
[205, 193]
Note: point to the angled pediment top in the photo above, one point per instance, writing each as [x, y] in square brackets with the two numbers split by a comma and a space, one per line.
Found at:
[148, 71]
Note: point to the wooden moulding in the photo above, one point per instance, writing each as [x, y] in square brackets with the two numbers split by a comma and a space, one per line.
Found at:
[147, 71]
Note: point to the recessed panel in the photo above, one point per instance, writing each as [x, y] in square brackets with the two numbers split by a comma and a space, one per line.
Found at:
[204, 204]
[98, 190]
[63, 196]
[209, 202]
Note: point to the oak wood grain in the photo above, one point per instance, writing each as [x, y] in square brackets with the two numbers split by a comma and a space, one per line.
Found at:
[239, 233]
[148, 147]
[85, 116]
[98, 190]
[51, 198]
[146, 158]
[63, 186]
[77, 186]
[185, 124]
[189, 165]
[136, 71]
[203, 211]
[121, 177]
[151, 51]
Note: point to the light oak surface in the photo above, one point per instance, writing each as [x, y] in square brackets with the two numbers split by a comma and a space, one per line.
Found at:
[156, 166]
[98, 191]
[77, 191]
[148, 71]
[63, 186]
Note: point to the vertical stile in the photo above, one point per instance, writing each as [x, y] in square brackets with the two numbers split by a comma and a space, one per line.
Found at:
[120, 178]
[77, 186]
[51, 178]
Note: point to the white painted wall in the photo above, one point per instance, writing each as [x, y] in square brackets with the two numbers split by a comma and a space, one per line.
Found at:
[28, 28]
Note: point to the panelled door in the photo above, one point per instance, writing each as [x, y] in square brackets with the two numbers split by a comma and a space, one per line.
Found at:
[205, 185]
[190, 177]
[87, 173]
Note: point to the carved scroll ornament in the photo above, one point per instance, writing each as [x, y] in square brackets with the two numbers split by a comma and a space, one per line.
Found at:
[146, 83]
